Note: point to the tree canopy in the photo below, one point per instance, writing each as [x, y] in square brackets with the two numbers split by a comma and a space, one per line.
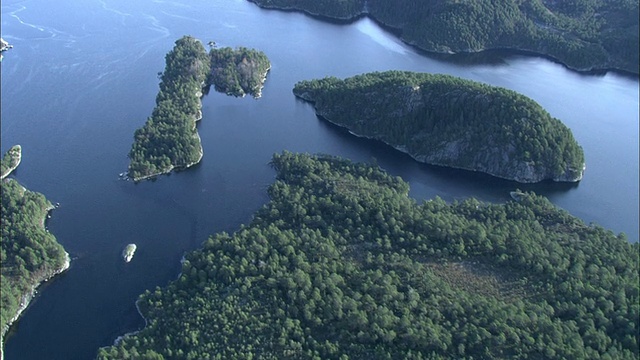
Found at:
[449, 121]
[342, 264]
[583, 34]
[29, 254]
[238, 72]
[169, 138]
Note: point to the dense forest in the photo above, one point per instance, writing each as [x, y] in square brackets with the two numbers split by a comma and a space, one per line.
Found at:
[10, 161]
[29, 254]
[169, 138]
[583, 34]
[342, 264]
[449, 121]
[238, 72]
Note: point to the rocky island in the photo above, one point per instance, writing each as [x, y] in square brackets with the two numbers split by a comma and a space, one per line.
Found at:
[448, 121]
[584, 35]
[29, 254]
[169, 139]
[10, 161]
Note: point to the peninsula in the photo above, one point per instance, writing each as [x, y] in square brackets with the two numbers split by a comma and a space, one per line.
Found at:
[29, 254]
[342, 263]
[584, 35]
[10, 161]
[169, 139]
[448, 121]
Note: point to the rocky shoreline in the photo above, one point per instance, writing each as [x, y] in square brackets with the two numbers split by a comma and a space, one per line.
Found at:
[15, 153]
[525, 173]
[398, 33]
[196, 117]
[27, 297]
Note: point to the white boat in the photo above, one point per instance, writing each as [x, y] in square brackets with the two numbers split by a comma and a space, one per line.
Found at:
[128, 252]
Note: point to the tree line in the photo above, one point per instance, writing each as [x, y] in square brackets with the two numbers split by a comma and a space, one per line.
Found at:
[583, 34]
[342, 264]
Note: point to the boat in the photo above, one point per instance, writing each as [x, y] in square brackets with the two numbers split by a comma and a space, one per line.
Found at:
[128, 252]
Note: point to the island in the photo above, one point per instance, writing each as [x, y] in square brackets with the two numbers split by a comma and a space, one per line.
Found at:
[10, 161]
[29, 254]
[169, 139]
[343, 264]
[448, 121]
[584, 35]
[238, 72]
[127, 253]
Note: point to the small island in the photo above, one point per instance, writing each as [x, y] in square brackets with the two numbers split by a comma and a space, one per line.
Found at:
[10, 161]
[448, 121]
[584, 35]
[29, 254]
[128, 252]
[169, 139]
[343, 264]
[238, 72]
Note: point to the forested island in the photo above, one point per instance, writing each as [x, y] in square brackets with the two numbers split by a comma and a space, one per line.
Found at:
[238, 72]
[169, 139]
[584, 35]
[29, 254]
[449, 121]
[342, 264]
[10, 161]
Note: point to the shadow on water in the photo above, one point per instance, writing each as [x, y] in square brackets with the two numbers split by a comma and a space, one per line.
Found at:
[403, 165]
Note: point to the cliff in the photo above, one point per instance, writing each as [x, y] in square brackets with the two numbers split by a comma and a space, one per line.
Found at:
[448, 121]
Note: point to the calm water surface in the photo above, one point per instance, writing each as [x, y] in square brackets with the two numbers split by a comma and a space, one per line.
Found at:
[82, 76]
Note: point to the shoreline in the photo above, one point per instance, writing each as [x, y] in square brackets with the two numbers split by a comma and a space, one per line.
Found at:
[397, 32]
[404, 150]
[29, 295]
[196, 117]
[17, 158]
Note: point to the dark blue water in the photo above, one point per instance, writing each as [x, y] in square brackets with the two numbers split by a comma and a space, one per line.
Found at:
[82, 76]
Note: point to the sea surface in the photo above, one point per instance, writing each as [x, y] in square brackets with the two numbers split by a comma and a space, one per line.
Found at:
[83, 76]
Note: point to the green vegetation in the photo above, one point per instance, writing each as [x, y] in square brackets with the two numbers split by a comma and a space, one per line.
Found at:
[10, 161]
[238, 72]
[448, 121]
[169, 138]
[583, 34]
[342, 264]
[29, 254]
